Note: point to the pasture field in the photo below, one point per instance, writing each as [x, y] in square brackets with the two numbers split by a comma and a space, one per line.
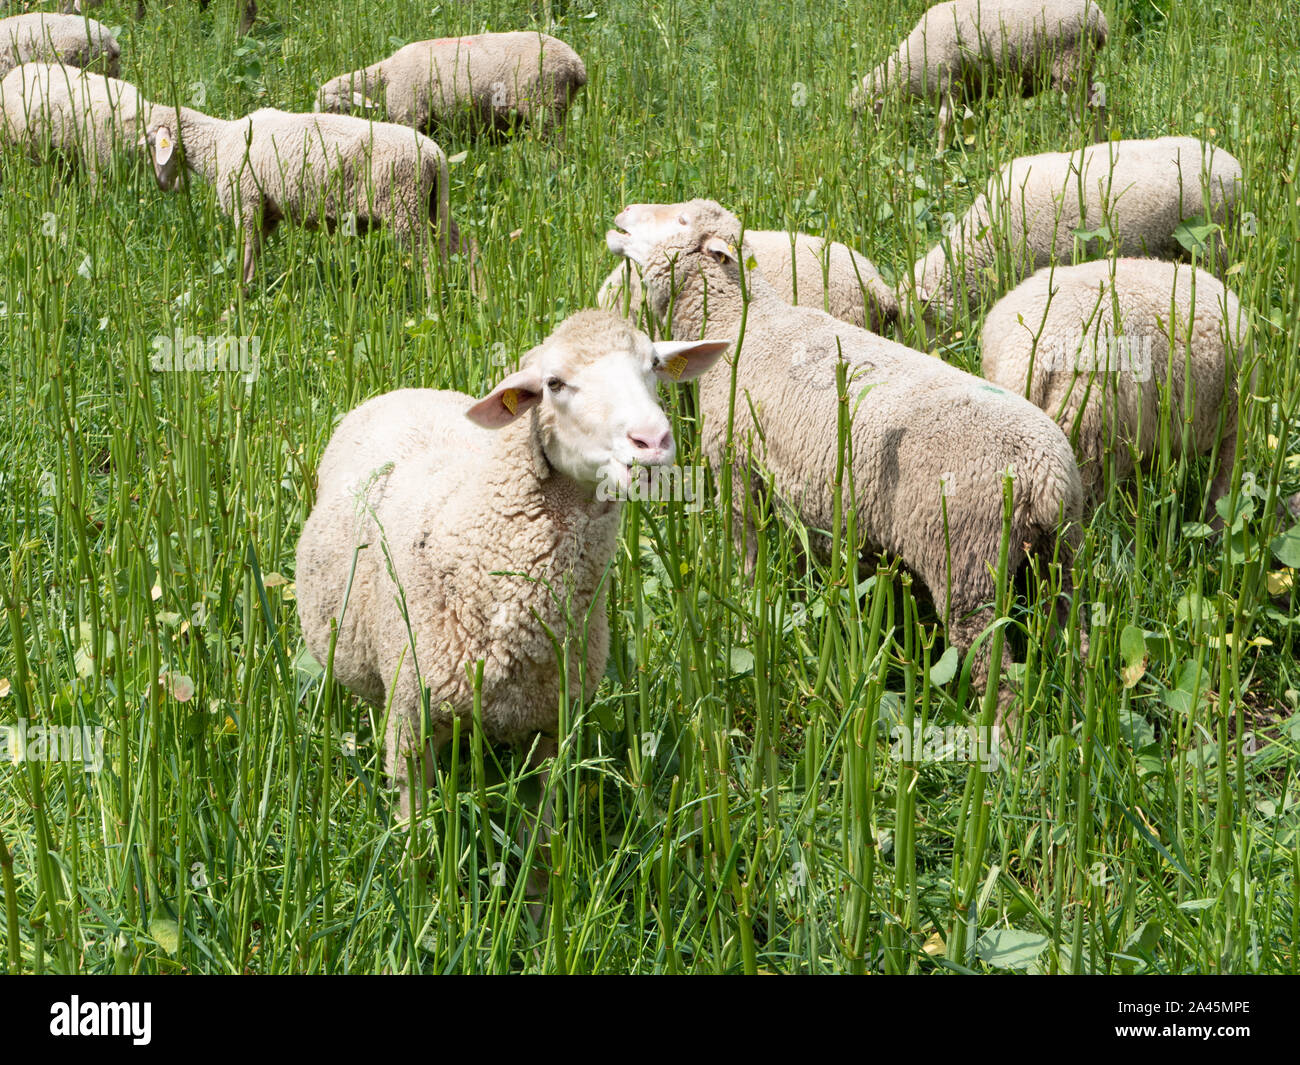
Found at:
[736, 798]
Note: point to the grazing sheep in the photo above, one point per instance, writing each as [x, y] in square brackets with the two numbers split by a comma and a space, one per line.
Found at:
[826, 274]
[488, 81]
[930, 444]
[71, 114]
[310, 169]
[72, 39]
[1140, 190]
[962, 47]
[1095, 339]
[449, 530]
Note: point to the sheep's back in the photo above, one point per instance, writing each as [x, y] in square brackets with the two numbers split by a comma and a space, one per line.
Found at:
[1061, 341]
[71, 39]
[960, 41]
[368, 463]
[918, 424]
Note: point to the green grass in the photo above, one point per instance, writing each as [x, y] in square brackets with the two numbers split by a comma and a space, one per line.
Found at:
[728, 800]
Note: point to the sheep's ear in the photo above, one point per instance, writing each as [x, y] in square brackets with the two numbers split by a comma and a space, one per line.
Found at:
[682, 360]
[519, 392]
[719, 250]
[166, 160]
[164, 146]
[361, 103]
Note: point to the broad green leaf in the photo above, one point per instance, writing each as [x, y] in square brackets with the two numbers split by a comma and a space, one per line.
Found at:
[166, 933]
[742, 661]
[1009, 948]
[1286, 547]
[1191, 680]
[1194, 233]
[946, 668]
[1133, 649]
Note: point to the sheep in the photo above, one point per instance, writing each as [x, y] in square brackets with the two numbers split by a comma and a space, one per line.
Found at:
[487, 81]
[930, 443]
[817, 273]
[72, 39]
[308, 168]
[1027, 218]
[449, 530]
[1090, 345]
[71, 114]
[962, 47]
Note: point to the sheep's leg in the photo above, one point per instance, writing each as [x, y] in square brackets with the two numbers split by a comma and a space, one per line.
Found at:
[253, 236]
[947, 120]
[745, 501]
[254, 231]
[1067, 71]
[411, 233]
[1097, 104]
[1223, 475]
[963, 630]
[1092, 472]
[744, 535]
[539, 874]
[402, 750]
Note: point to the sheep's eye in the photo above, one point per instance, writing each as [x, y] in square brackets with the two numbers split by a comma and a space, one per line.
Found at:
[682, 220]
[555, 384]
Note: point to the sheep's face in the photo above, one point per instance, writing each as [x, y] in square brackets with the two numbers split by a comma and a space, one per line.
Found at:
[867, 93]
[331, 97]
[595, 384]
[672, 243]
[165, 155]
[345, 95]
[928, 296]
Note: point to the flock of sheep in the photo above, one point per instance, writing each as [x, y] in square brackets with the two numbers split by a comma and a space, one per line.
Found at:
[449, 529]
[328, 167]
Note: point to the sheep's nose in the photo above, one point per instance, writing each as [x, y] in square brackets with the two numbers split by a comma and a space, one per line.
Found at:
[651, 442]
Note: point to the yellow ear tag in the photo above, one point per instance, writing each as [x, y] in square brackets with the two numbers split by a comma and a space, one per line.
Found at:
[676, 366]
[510, 399]
[164, 142]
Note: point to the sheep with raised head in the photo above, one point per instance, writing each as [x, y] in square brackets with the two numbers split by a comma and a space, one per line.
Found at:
[71, 114]
[930, 444]
[964, 47]
[449, 530]
[39, 37]
[1033, 210]
[486, 81]
[310, 169]
[806, 270]
[1091, 346]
